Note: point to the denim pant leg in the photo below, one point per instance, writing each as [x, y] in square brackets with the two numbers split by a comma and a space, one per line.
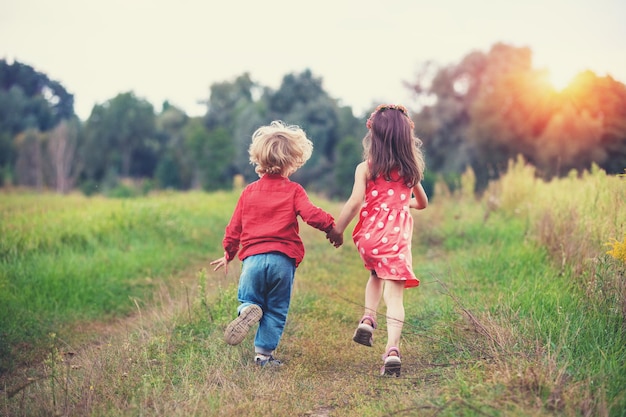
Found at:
[279, 279]
[267, 280]
[251, 280]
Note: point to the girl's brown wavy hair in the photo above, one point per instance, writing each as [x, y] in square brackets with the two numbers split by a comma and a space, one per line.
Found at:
[391, 144]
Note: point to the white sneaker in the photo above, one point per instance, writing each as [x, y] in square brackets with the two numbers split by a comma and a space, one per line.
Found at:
[237, 330]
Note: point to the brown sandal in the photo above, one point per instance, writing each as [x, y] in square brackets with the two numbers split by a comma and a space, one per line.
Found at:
[364, 334]
[391, 363]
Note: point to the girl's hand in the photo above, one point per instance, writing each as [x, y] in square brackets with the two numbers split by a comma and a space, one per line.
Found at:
[419, 201]
[221, 262]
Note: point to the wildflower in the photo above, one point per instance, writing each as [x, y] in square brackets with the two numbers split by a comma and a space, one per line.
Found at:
[618, 250]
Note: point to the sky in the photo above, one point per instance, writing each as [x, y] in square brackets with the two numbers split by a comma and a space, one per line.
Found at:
[362, 50]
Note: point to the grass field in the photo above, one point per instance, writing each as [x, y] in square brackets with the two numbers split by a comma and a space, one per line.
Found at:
[520, 311]
[71, 258]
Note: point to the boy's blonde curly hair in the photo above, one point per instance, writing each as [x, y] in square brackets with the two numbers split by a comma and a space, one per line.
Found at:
[279, 149]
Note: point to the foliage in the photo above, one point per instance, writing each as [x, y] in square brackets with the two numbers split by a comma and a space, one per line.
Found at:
[492, 106]
[120, 136]
[29, 100]
[169, 172]
[30, 167]
[218, 153]
[174, 168]
[48, 159]
[227, 99]
[301, 100]
[350, 151]
[211, 155]
[478, 113]
[231, 107]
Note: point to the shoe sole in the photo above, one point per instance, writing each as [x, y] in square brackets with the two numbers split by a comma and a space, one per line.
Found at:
[364, 335]
[237, 330]
[391, 367]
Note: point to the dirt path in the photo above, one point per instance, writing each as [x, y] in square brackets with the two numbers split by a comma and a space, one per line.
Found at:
[173, 296]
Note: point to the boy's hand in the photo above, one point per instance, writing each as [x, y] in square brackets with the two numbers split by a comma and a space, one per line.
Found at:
[335, 237]
[221, 262]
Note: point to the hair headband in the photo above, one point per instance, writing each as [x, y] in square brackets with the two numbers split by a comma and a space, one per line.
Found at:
[383, 107]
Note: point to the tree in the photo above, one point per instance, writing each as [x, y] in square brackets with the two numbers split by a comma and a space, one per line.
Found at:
[216, 168]
[442, 120]
[226, 100]
[600, 101]
[196, 144]
[212, 154]
[232, 108]
[175, 166]
[29, 166]
[249, 118]
[62, 145]
[235, 109]
[121, 137]
[40, 102]
[496, 101]
[28, 100]
[301, 100]
[295, 89]
[493, 106]
[349, 155]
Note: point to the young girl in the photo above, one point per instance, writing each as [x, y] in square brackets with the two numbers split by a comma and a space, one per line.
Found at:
[265, 227]
[386, 185]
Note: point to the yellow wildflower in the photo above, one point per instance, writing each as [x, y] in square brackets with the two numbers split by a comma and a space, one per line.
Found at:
[618, 250]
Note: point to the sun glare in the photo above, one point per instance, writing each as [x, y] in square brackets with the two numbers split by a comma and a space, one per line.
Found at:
[560, 79]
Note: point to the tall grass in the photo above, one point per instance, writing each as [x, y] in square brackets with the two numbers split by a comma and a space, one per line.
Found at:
[573, 217]
[569, 301]
[576, 219]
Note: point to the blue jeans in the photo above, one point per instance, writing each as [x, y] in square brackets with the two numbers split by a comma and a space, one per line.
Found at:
[266, 280]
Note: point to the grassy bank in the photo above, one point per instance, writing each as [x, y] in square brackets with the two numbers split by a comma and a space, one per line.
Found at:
[520, 313]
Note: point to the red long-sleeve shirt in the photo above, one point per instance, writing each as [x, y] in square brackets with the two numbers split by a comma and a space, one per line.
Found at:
[265, 219]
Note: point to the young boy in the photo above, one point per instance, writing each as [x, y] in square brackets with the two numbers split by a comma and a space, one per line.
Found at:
[264, 230]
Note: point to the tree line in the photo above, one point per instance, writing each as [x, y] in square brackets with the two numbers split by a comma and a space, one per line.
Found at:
[477, 113]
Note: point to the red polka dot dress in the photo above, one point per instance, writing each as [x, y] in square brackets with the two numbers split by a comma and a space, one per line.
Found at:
[383, 233]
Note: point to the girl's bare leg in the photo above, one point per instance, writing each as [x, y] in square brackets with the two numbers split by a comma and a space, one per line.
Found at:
[393, 295]
[373, 294]
[364, 334]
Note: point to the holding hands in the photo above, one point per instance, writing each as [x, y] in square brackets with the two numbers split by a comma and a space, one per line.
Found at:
[335, 237]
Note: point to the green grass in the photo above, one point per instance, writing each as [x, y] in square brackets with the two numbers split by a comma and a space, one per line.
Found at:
[557, 326]
[68, 259]
[501, 325]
